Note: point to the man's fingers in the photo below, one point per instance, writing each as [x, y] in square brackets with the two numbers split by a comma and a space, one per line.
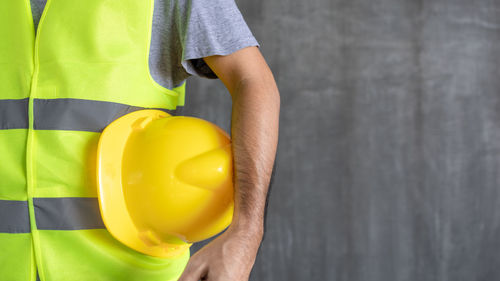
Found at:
[193, 272]
[192, 276]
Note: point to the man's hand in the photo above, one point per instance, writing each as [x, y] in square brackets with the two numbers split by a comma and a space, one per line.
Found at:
[254, 138]
[230, 256]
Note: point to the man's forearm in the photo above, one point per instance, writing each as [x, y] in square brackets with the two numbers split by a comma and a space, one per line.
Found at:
[254, 137]
[254, 130]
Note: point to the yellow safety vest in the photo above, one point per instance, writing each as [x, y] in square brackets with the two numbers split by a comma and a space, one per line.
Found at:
[87, 66]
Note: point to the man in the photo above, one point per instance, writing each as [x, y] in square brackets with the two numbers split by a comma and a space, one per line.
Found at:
[47, 198]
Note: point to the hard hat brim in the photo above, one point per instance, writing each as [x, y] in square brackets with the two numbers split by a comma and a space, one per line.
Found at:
[111, 197]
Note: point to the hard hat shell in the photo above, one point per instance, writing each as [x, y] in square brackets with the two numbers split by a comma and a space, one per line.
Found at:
[164, 181]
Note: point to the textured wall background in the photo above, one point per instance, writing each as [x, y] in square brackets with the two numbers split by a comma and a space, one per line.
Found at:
[389, 154]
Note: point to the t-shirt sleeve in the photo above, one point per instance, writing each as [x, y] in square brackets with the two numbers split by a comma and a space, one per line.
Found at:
[210, 27]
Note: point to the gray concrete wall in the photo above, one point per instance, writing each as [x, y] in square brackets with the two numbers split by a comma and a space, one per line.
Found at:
[389, 153]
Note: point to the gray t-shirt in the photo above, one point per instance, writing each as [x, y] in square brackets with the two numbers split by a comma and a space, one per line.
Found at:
[183, 32]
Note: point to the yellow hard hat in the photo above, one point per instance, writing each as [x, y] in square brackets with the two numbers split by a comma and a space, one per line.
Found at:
[164, 181]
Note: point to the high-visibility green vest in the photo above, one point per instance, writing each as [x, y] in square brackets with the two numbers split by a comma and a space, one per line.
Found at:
[87, 66]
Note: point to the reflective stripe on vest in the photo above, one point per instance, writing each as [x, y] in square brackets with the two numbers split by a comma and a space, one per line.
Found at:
[13, 114]
[63, 114]
[78, 115]
[14, 216]
[67, 213]
[87, 66]
[51, 214]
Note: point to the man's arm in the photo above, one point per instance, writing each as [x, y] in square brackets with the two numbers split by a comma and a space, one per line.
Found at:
[254, 136]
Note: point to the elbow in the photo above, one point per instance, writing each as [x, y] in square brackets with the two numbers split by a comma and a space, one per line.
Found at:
[257, 88]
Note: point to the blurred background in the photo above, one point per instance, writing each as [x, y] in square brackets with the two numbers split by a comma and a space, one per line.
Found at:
[389, 152]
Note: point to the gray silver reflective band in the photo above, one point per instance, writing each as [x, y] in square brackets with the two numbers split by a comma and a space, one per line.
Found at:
[68, 213]
[14, 217]
[79, 114]
[14, 114]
